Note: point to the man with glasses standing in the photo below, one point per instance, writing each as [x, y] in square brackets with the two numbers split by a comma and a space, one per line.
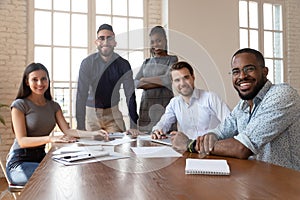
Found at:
[100, 77]
[264, 125]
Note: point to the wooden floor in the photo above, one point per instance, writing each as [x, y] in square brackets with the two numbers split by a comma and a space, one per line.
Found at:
[4, 194]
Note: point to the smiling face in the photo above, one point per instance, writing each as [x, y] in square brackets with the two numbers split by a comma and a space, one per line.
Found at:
[38, 82]
[250, 83]
[105, 42]
[158, 44]
[183, 81]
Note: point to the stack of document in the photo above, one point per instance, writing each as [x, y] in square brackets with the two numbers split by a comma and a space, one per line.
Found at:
[72, 155]
[79, 156]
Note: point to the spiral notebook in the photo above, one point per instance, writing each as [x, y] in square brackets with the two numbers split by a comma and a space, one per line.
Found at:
[207, 166]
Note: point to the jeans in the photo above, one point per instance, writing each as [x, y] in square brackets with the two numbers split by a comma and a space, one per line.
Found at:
[22, 163]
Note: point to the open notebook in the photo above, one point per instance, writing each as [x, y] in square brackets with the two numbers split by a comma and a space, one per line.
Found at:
[206, 166]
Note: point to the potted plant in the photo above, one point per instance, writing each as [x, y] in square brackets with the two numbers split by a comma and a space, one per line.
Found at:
[2, 121]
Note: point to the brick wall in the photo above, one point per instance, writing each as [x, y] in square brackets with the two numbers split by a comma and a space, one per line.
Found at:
[13, 55]
[293, 43]
[154, 13]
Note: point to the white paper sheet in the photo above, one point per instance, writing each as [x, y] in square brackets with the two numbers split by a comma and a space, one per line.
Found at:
[72, 149]
[112, 156]
[155, 152]
[104, 143]
[119, 141]
[89, 142]
[116, 135]
[144, 137]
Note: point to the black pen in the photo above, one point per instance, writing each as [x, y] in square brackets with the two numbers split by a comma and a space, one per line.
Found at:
[69, 157]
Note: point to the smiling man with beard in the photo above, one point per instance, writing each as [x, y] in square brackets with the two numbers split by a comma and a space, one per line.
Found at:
[100, 77]
[264, 125]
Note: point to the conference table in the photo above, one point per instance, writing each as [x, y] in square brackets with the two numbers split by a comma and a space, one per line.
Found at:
[158, 178]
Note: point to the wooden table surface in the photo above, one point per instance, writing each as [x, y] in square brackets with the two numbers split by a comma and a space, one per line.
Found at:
[159, 178]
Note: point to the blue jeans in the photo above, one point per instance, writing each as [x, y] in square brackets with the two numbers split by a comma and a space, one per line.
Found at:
[22, 163]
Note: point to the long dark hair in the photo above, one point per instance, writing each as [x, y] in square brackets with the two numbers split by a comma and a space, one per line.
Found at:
[161, 31]
[24, 90]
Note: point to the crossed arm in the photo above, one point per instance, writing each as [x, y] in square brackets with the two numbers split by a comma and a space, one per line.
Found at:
[149, 83]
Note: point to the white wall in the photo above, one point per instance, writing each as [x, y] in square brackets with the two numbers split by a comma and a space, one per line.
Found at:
[205, 33]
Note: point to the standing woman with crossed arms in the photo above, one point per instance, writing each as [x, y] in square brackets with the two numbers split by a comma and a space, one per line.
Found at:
[154, 78]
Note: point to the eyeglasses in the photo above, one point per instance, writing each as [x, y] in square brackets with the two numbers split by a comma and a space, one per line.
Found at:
[247, 69]
[108, 38]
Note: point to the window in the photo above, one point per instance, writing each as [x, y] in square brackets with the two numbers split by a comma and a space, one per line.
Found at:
[261, 28]
[64, 34]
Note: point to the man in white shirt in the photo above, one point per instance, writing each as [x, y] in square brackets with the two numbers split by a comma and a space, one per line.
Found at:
[194, 110]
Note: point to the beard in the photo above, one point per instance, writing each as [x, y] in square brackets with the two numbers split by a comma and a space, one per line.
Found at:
[249, 96]
[105, 51]
[253, 93]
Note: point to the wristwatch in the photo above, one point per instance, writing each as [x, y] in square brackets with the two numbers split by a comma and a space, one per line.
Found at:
[191, 146]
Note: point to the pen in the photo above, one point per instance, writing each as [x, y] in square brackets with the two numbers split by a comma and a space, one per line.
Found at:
[69, 157]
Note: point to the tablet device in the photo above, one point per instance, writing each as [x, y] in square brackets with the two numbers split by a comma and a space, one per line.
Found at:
[165, 141]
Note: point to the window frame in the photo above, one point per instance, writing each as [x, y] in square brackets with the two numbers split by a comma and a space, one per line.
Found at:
[261, 40]
[91, 36]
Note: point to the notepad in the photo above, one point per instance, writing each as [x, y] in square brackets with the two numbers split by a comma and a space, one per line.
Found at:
[207, 166]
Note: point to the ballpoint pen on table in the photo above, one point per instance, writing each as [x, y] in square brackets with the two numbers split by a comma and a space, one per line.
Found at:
[75, 156]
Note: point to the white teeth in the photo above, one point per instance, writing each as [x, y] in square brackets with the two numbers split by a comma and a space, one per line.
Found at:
[244, 84]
